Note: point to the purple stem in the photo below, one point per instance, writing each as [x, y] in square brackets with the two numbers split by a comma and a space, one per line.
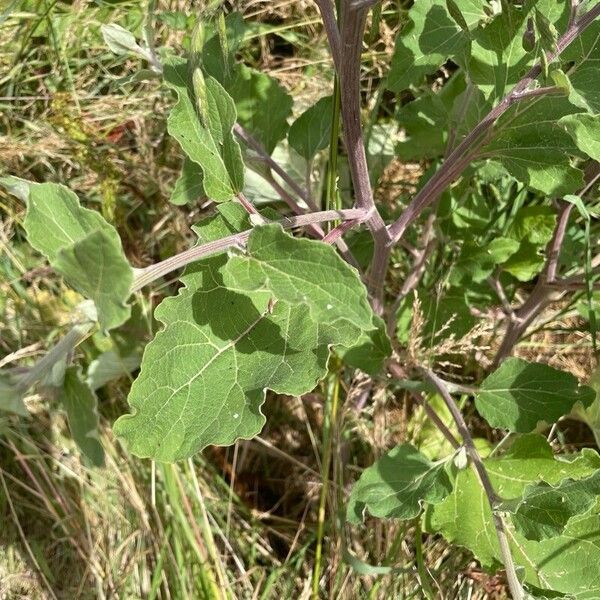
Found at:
[156, 271]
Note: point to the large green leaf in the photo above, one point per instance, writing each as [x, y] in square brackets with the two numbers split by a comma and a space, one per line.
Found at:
[80, 405]
[519, 395]
[82, 247]
[397, 485]
[303, 272]
[204, 376]
[211, 145]
[311, 131]
[544, 509]
[565, 563]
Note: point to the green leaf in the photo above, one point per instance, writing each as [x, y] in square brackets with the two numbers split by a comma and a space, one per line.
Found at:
[534, 148]
[526, 263]
[565, 563]
[585, 131]
[212, 147]
[533, 223]
[502, 248]
[204, 376]
[311, 131]
[397, 486]
[519, 395]
[95, 267]
[80, 404]
[544, 509]
[262, 104]
[370, 350]
[188, 187]
[303, 272]
[82, 247]
[427, 42]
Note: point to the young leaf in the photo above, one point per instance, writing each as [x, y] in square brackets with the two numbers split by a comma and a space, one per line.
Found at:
[311, 131]
[82, 247]
[519, 395]
[80, 404]
[544, 510]
[397, 486]
[120, 41]
[212, 147]
[565, 563]
[302, 272]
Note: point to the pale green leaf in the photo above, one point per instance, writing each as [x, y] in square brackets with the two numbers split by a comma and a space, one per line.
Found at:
[82, 247]
[212, 147]
[565, 563]
[397, 486]
[111, 365]
[120, 41]
[80, 405]
[311, 131]
[95, 267]
[11, 397]
[519, 395]
[585, 131]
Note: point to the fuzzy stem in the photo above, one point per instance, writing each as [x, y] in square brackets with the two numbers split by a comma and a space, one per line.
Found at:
[153, 272]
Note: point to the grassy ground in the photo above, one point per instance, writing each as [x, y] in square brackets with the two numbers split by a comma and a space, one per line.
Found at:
[258, 520]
